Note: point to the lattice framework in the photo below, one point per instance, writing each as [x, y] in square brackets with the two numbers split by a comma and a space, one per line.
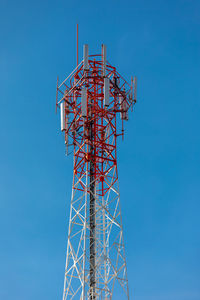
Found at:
[95, 260]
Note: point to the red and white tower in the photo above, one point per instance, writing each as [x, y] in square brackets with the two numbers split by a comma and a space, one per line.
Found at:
[90, 100]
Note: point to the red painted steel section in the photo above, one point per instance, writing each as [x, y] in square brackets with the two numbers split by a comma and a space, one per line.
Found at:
[105, 119]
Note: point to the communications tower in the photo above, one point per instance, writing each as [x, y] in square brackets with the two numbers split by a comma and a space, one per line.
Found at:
[90, 100]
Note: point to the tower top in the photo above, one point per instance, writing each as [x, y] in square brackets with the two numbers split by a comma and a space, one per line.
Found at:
[75, 95]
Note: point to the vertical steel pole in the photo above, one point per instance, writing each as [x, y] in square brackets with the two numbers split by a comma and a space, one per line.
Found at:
[92, 215]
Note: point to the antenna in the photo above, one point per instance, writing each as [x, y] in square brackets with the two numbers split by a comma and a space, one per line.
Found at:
[77, 44]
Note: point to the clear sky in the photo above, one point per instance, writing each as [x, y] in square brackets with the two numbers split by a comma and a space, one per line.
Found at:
[159, 161]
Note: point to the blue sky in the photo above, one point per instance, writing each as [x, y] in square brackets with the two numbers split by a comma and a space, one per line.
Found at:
[159, 162]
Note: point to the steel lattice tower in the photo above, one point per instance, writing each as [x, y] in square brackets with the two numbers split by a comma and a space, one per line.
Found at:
[90, 100]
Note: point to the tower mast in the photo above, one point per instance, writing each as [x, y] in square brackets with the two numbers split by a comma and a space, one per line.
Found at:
[92, 101]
